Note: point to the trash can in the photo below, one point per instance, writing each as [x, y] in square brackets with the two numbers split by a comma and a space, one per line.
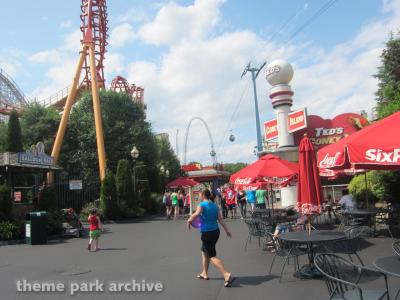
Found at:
[36, 228]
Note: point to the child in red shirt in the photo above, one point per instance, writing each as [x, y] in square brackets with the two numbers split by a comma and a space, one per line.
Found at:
[94, 229]
[230, 196]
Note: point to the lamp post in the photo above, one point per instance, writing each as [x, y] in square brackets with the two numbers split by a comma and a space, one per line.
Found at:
[135, 155]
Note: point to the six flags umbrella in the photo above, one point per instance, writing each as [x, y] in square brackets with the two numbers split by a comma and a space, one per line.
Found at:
[375, 147]
[269, 169]
[182, 182]
[309, 195]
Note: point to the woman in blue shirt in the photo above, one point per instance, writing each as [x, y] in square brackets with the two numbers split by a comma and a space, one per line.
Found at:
[210, 216]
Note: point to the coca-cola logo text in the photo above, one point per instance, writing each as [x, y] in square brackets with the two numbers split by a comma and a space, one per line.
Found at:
[329, 161]
[246, 180]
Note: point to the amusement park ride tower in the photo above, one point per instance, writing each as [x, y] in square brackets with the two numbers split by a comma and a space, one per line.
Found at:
[279, 74]
[94, 29]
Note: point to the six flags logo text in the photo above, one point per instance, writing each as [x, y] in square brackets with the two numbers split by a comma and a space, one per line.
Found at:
[379, 155]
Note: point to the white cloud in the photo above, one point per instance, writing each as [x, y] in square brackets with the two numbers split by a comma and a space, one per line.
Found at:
[115, 65]
[66, 24]
[121, 35]
[175, 23]
[44, 18]
[50, 56]
[72, 41]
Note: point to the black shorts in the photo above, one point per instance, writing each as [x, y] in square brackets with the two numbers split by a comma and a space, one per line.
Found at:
[231, 206]
[180, 203]
[209, 239]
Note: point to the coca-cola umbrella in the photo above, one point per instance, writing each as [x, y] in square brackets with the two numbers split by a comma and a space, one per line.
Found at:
[269, 170]
[375, 147]
[309, 190]
[186, 183]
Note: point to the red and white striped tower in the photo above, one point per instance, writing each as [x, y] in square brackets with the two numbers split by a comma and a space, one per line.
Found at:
[279, 74]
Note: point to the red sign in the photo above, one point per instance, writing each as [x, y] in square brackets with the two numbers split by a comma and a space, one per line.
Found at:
[192, 167]
[297, 120]
[17, 196]
[271, 130]
[323, 132]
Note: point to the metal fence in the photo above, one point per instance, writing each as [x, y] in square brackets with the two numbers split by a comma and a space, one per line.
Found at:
[334, 190]
[75, 198]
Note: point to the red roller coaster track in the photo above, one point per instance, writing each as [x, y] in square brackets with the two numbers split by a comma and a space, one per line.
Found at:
[94, 17]
[120, 84]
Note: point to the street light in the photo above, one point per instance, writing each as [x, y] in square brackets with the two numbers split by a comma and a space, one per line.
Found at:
[162, 169]
[135, 155]
[167, 173]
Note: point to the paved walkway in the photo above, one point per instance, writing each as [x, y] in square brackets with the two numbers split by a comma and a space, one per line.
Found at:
[164, 251]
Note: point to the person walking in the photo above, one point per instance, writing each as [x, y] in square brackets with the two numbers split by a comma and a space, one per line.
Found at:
[175, 204]
[251, 199]
[261, 194]
[241, 200]
[210, 216]
[95, 227]
[168, 204]
[223, 205]
[230, 197]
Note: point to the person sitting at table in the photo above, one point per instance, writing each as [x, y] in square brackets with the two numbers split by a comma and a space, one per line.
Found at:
[346, 202]
[285, 227]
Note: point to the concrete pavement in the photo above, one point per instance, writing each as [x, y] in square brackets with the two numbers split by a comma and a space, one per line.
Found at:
[158, 250]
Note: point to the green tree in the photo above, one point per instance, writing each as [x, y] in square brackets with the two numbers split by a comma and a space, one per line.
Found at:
[14, 137]
[234, 167]
[108, 197]
[388, 94]
[3, 136]
[124, 184]
[167, 159]
[39, 124]
[124, 124]
[388, 102]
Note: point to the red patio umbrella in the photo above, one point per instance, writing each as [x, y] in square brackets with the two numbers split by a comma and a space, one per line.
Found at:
[182, 182]
[309, 191]
[375, 147]
[269, 169]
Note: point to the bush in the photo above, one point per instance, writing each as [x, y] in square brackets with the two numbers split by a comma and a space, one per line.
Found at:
[47, 200]
[132, 213]
[7, 231]
[359, 191]
[86, 211]
[124, 185]
[153, 204]
[108, 197]
[54, 222]
[5, 203]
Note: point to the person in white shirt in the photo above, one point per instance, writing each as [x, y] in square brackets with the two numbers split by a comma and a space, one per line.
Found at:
[346, 201]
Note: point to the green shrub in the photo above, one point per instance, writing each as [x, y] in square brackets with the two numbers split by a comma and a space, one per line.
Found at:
[108, 197]
[7, 231]
[153, 204]
[54, 222]
[47, 200]
[5, 203]
[86, 211]
[124, 185]
[359, 191]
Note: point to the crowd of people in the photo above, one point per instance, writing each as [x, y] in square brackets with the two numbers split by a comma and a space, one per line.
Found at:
[177, 203]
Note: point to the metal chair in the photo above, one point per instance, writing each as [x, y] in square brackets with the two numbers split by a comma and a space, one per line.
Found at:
[286, 252]
[342, 278]
[396, 247]
[383, 219]
[253, 232]
[349, 245]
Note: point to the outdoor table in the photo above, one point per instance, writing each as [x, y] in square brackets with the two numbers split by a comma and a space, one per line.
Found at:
[368, 214]
[310, 239]
[389, 265]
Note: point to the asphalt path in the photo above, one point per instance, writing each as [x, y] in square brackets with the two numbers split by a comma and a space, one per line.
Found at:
[165, 252]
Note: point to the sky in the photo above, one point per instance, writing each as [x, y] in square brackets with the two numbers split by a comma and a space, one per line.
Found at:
[189, 55]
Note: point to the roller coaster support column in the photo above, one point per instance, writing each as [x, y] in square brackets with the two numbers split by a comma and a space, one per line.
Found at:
[55, 153]
[97, 114]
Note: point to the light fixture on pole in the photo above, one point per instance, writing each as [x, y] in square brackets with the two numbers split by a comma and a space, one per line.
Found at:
[162, 169]
[167, 173]
[135, 155]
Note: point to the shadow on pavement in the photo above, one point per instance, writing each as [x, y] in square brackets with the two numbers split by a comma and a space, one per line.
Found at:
[114, 249]
[252, 280]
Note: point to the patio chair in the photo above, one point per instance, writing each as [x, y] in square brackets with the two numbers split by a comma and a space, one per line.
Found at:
[254, 231]
[286, 252]
[342, 278]
[349, 246]
[396, 247]
[384, 220]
